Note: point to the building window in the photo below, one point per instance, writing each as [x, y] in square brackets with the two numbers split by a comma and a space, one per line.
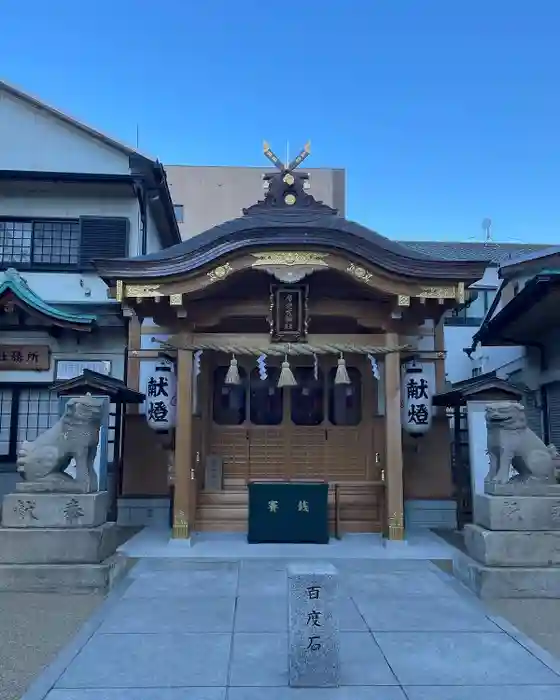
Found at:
[25, 413]
[179, 212]
[38, 410]
[475, 312]
[5, 421]
[42, 242]
[57, 243]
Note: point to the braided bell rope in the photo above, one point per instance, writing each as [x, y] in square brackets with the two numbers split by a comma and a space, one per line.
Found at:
[282, 349]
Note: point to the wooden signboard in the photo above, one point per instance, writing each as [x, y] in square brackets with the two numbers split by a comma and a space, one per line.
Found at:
[213, 477]
[25, 357]
[289, 313]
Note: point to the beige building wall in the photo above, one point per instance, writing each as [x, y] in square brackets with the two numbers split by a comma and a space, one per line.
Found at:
[206, 196]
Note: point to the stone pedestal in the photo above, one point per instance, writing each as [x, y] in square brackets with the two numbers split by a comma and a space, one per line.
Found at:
[313, 653]
[40, 510]
[58, 541]
[523, 513]
[513, 547]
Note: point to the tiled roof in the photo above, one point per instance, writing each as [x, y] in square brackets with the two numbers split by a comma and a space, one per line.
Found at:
[15, 284]
[473, 251]
[527, 256]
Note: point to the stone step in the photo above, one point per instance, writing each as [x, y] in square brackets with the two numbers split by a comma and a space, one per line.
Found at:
[507, 582]
[512, 548]
[59, 545]
[64, 578]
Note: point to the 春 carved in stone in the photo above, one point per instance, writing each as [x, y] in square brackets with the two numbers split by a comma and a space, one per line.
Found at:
[74, 436]
[73, 511]
[512, 444]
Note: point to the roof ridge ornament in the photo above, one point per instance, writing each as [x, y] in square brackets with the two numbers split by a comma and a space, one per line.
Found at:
[298, 160]
[286, 189]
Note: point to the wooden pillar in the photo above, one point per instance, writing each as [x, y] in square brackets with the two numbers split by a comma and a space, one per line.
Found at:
[184, 497]
[393, 442]
[134, 345]
[439, 346]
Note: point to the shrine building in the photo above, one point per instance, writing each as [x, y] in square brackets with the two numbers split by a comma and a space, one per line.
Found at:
[289, 345]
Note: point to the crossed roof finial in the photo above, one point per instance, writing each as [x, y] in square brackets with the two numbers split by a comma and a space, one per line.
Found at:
[298, 160]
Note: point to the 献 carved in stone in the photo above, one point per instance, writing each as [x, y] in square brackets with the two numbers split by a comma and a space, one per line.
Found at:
[512, 444]
[74, 436]
[25, 510]
[511, 509]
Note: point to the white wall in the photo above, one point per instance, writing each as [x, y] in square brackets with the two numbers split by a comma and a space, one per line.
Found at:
[153, 239]
[489, 280]
[65, 288]
[458, 365]
[33, 139]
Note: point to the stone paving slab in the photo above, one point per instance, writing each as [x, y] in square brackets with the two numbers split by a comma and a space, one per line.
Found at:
[483, 692]
[349, 693]
[462, 658]
[527, 692]
[191, 584]
[398, 584]
[141, 694]
[260, 659]
[212, 632]
[171, 615]
[150, 661]
[447, 614]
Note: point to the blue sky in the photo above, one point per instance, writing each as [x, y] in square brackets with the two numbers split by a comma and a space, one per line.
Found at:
[443, 112]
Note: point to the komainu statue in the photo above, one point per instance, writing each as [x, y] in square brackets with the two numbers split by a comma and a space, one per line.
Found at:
[512, 444]
[74, 436]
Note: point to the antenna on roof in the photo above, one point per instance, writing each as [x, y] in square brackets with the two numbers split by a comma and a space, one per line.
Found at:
[490, 241]
[487, 228]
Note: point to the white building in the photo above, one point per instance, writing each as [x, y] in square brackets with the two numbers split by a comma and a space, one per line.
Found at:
[68, 194]
[461, 327]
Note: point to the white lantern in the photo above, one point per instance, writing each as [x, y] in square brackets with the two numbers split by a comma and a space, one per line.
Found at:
[417, 400]
[161, 396]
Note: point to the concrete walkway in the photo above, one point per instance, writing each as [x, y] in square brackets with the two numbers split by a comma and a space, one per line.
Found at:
[179, 629]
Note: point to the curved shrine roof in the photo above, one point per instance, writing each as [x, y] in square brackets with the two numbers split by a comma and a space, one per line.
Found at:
[274, 222]
[15, 285]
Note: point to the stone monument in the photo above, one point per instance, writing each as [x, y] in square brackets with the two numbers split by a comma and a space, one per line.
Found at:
[54, 521]
[313, 654]
[514, 543]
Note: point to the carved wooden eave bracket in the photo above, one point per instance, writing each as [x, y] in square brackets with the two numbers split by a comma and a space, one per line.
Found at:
[291, 266]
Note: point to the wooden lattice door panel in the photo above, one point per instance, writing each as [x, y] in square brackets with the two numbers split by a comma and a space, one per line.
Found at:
[306, 452]
[231, 443]
[267, 452]
[345, 453]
